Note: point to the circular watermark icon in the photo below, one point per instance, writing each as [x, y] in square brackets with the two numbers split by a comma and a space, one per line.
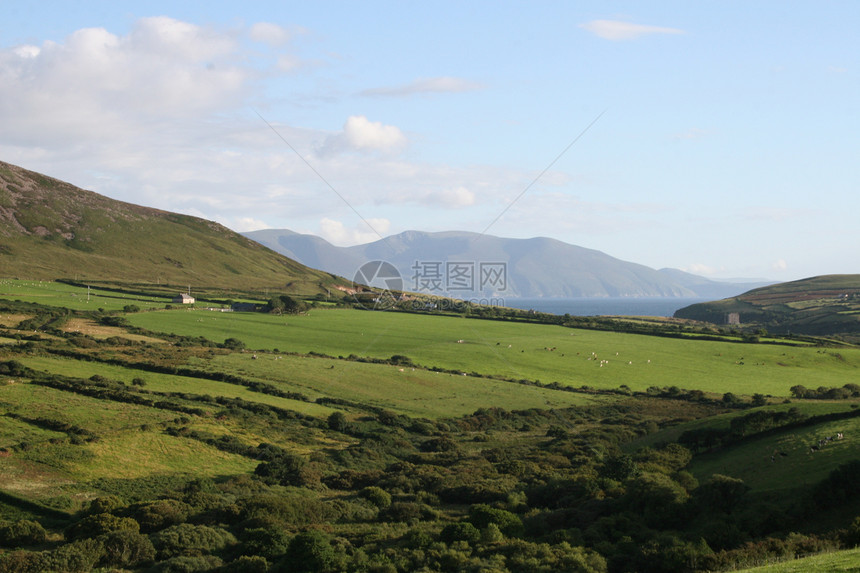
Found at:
[385, 282]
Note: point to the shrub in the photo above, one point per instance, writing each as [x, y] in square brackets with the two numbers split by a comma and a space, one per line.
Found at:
[247, 564]
[187, 539]
[461, 531]
[77, 556]
[377, 496]
[337, 422]
[482, 515]
[22, 532]
[310, 551]
[95, 525]
[268, 542]
[155, 515]
[126, 548]
[187, 564]
[104, 504]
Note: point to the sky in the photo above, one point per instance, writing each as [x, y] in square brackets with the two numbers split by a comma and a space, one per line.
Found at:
[720, 138]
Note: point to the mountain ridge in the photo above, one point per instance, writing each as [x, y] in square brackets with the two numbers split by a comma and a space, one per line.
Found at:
[536, 267]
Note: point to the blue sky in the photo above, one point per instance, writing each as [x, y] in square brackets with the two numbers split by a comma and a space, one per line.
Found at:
[727, 145]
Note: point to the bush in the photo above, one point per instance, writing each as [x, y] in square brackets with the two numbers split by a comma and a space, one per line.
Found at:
[23, 562]
[77, 556]
[104, 504]
[234, 344]
[337, 422]
[155, 515]
[310, 551]
[94, 525]
[268, 542]
[187, 564]
[461, 531]
[126, 548]
[21, 533]
[187, 539]
[482, 515]
[247, 564]
[377, 496]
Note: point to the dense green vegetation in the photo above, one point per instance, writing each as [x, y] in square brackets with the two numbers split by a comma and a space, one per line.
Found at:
[138, 438]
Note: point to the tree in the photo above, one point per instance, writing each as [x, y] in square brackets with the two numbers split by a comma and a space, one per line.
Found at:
[310, 551]
[234, 344]
[126, 548]
[460, 531]
[285, 305]
[721, 493]
[618, 467]
[337, 422]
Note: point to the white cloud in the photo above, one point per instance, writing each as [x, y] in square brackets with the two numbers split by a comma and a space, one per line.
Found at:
[268, 33]
[338, 234]
[702, 269]
[444, 84]
[779, 265]
[247, 224]
[98, 86]
[361, 134]
[456, 197]
[617, 30]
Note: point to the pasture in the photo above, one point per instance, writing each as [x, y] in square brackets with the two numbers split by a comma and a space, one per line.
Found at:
[62, 295]
[784, 461]
[416, 393]
[546, 353]
[835, 562]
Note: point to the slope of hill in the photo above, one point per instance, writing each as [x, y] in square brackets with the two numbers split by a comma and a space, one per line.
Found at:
[537, 267]
[826, 305]
[52, 229]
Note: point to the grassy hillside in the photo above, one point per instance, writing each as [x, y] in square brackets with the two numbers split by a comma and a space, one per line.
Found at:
[547, 353]
[826, 305]
[833, 562]
[50, 229]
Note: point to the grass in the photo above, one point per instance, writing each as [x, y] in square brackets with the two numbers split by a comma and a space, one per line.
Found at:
[62, 295]
[139, 454]
[169, 383]
[99, 331]
[416, 393]
[751, 461]
[835, 562]
[723, 421]
[405, 390]
[521, 351]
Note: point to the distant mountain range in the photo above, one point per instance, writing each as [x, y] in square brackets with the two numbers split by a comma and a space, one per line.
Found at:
[465, 265]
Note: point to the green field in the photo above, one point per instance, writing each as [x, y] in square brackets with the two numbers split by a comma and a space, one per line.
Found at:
[798, 467]
[523, 351]
[836, 562]
[62, 295]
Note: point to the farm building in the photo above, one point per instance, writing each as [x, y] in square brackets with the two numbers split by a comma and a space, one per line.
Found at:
[183, 298]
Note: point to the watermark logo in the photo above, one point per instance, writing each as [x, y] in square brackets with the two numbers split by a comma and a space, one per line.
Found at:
[384, 278]
[459, 277]
[435, 284]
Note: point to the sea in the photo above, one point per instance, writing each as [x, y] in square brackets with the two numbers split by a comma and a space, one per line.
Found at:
[626, 306]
